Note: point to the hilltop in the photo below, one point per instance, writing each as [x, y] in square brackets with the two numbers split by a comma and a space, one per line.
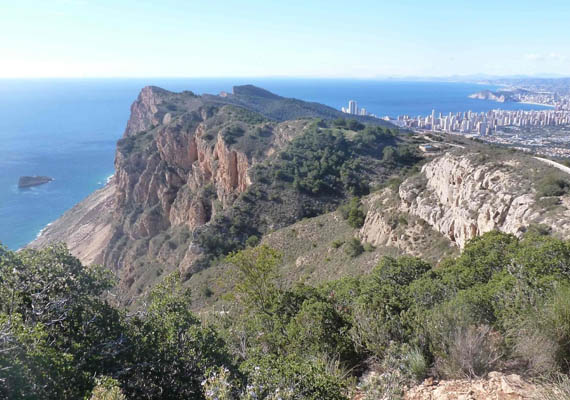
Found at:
[197, 176]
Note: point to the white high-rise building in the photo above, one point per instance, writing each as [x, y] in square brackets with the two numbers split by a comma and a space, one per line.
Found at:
[352, 107]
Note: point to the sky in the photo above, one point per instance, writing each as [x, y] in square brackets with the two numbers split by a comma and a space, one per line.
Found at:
[293, 38]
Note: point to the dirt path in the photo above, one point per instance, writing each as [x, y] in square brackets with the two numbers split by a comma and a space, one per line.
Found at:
[554, 164]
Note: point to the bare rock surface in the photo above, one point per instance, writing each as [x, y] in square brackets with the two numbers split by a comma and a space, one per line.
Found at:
[461, 198]
[86, 229]
[496, 386]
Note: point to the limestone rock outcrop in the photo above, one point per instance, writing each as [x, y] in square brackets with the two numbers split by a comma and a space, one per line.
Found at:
[496, 386]
[462, 196]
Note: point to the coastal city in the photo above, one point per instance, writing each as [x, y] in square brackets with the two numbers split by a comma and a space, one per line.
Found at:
[484, 124]
[543, 132]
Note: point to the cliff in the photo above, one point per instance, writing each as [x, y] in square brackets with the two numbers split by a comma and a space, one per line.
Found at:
[86, 228]
[198, 176]
[462, 195]
[182, 163]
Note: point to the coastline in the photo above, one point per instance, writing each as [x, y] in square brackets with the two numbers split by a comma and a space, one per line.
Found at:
[45, 228]
[536, 104]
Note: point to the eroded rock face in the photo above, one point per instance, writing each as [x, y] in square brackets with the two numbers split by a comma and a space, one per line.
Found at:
[144, 110]
[496, 386]
[170, 178]
[386, 224]
[86, 228]
[462, 198]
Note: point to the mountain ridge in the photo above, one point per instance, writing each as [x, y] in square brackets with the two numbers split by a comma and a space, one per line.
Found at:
[198, 177]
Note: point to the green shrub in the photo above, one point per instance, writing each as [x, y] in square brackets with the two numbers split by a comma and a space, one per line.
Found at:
[552, 185]
[337, 243]
[354, 125]
[252, 241]
[542, 338]
[289, 378]
[402, 366]
[170, 350]
[219, 385]
[353, 212]
[368, 247]
[107, 389]
[207, 292]
[318, 328]
[463, 346]
[354, 248]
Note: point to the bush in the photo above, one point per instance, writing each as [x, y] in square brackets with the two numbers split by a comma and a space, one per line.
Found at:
[368, 247]
[170, 349]
[354, 125]
[219, 386]
[462, 345]
[542, 338]
[337, 243]
[354, 248]
[401, 367]
[389, 154]
[473, 352]
[107, 389]
[318, 328]
[252, 241]
[353, 212]
[289, 378]
[557, 388]
[552, 185]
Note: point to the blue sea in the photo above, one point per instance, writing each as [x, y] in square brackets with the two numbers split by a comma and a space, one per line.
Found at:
[67, 129]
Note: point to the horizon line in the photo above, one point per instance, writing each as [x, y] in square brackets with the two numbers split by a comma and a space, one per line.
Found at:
[475, 76]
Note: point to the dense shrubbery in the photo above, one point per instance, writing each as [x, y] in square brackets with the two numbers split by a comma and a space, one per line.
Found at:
[552, 185]
[500, 304]
[315, 173]
[325, 161]
[58, 338]
[503, 303]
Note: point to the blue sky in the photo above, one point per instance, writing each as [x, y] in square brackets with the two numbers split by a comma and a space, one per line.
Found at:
[361, 39]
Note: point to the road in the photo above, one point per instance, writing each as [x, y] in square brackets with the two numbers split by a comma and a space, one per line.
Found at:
[561, 167]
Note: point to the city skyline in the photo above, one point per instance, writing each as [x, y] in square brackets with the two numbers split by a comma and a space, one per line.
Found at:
[82, 38]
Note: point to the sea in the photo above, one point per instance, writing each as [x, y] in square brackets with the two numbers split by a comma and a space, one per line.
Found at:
[67, 129]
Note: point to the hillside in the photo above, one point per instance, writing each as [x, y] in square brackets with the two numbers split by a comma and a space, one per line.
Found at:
[312, 258]
[432, 214]
[196, 176]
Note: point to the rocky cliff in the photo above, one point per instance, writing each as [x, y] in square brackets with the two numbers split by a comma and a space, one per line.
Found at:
[197, 176]
[183, 160]
[87, 228]
[462, 195]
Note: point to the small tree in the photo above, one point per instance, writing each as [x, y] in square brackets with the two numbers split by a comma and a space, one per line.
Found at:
[257, 269]
[389, 154]
[354, 247]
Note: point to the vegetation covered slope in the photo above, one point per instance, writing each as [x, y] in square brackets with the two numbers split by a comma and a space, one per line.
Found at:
[197, 176]
[501, 305]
